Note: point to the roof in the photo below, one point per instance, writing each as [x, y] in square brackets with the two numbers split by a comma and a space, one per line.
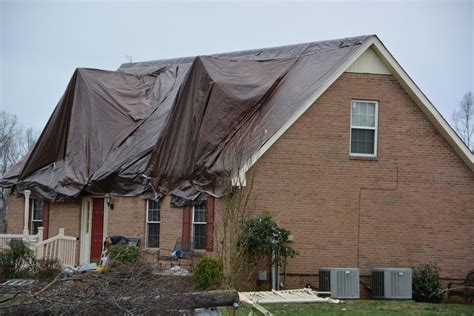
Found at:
[186, 126]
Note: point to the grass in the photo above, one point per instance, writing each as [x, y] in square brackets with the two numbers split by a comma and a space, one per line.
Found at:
[390, 308]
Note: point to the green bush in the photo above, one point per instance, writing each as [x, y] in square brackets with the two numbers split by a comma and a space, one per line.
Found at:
[124, 253]
[209, 272]
[17, 262]
[261, 236]
[427, 284]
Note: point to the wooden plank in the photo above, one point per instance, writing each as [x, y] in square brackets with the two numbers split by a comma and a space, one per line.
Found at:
[287, 296]
[262, 309]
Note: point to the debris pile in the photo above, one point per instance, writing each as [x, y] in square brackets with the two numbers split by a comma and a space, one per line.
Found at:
[126, 289]
[177, 270]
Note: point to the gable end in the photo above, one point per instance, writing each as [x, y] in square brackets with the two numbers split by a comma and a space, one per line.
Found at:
[369, 63]
[378, 60]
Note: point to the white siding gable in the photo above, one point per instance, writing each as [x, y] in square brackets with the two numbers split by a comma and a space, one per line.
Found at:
[369, 63]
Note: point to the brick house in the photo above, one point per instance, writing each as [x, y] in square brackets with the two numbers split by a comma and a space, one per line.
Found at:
[364, 173]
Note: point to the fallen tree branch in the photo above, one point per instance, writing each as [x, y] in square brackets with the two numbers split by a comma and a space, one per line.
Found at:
[208, 299]
[125, 290]
[40, 291]
[14, 296]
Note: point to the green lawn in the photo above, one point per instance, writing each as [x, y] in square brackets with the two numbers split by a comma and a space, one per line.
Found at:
[391, 308]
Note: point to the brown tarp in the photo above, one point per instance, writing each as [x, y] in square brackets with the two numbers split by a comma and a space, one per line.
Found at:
[178, 126]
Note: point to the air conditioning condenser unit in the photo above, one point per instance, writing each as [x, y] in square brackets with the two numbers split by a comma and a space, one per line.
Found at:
[343, 283]
[392, 283]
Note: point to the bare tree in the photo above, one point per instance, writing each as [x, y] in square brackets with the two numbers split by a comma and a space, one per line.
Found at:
[30, 137]
[8, 134]
[15, 142]
[463, 119]
[237, 205]
[236, 209]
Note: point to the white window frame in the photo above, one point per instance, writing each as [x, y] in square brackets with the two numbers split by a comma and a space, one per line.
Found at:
[151, 222]
[198, 223]
[33, 216]
[375, 128]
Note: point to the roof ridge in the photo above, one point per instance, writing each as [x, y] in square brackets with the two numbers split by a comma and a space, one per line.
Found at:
[288, 51]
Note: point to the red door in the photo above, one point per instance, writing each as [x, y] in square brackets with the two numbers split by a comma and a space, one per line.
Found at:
[97, 228]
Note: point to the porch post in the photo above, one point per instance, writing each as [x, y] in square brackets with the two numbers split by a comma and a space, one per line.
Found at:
[39, 250]
[27, 211]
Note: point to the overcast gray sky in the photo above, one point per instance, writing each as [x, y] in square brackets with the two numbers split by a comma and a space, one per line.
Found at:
[43, 42]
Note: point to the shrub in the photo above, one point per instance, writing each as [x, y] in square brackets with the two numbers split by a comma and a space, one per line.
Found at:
[262, 237]
[17, 262]
[427, 284]
[209, 272]
[47, 269]
[124, 253]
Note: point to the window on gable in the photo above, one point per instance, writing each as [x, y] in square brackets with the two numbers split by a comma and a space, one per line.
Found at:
[199, 226]
[364, 128]
[153, 224]
[37, 216]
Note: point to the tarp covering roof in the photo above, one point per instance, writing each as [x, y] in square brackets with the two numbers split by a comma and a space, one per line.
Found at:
[179, 126]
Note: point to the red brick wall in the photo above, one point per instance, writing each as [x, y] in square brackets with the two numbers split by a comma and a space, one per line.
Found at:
[171, 224]
[307, 180]
[15, 215]
[67, 216]
[127, 218]
[61, 215]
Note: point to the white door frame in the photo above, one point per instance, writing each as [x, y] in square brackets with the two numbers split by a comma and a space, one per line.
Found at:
[86, 227]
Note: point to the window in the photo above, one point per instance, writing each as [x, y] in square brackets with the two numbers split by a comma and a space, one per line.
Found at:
[153, 224]
[199, 226]
[364, 128]
[37, 216]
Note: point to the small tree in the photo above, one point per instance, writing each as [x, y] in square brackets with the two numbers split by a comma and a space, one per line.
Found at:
[237, 206]
[263, 237]
[263, 241]
[463, 119]
[235, 211]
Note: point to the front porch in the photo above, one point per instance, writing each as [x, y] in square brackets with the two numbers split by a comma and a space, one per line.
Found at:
[90, 219]
[60, 247]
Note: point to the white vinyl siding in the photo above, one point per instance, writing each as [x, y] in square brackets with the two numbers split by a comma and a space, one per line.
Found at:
[369, 63]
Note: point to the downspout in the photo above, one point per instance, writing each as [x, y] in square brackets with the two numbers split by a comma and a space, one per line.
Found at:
[275, 266]
[274, 273]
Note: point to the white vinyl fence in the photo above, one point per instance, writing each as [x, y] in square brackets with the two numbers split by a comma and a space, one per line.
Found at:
[60, 247]
[6, 239]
